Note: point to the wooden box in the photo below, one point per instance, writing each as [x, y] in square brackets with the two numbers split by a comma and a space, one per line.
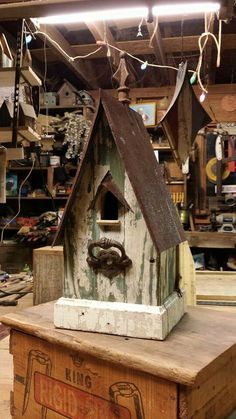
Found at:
[60, 373]
[48, 271]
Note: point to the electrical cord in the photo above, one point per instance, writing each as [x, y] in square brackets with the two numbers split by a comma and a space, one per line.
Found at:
[70, 58]
[204, 36]
[19, 201]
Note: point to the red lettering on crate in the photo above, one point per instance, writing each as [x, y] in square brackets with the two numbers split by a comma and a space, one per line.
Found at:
[72, 402]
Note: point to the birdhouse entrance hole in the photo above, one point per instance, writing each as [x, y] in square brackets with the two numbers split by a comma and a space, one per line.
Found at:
[109, 210]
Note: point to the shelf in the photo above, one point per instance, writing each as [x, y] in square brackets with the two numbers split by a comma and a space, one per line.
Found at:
[175, 182]
[7, 76]
[16, 168]
[59, 107]
[24, 133]
[215, 240]
[37, 198]
[10, 228]
[159, 148]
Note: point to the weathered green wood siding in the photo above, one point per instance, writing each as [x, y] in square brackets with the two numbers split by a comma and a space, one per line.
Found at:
[146, 281]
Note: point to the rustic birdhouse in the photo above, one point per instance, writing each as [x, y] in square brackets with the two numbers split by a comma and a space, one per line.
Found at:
[121, 234]
[68, 94]
[27, 116]
[6, 59]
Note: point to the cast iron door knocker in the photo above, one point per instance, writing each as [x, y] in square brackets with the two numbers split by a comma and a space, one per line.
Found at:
[107, 261]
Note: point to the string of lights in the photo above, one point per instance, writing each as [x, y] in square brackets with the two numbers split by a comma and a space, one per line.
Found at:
[196, 76]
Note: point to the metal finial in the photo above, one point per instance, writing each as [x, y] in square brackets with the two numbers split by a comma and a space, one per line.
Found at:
[121, 76]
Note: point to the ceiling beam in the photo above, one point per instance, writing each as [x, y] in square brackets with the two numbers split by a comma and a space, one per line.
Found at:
[158, 48]
[79, 67]
[100, 30]
[209, 53]
[227, 9]
[170, 60]
[141, 47]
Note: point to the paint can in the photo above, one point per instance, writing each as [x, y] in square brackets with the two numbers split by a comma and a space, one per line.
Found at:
[54, 160]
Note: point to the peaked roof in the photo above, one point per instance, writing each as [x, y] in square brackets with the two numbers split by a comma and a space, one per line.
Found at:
[9, 106]
[135, 150]
[72, 87]
[184, 117]
[109, 185]
[5, 47]
[27, 109]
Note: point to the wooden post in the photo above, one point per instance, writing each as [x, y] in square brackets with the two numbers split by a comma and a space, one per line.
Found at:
[3, 162]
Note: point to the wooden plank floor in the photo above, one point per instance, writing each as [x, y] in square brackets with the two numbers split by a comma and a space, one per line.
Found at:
[6, 378]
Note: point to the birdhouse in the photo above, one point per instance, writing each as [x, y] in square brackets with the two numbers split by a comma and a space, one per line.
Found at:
[27, 116]
[6, 59]
[68, 94]
[121, 234]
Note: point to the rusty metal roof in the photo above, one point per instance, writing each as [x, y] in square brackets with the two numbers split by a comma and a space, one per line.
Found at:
[110, 186]
[144, 173]
[184, 117]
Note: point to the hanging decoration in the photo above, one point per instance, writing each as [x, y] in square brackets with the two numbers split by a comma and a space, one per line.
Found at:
[76, 133]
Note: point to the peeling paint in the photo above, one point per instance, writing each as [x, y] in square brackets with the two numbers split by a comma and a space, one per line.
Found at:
[144, 282]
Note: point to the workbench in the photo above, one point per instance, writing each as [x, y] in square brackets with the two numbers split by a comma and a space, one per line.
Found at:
[61, 373]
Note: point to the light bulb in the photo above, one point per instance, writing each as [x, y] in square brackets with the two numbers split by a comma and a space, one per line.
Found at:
[193, 78]
[144, 65]
[28, 39]
[202, 97]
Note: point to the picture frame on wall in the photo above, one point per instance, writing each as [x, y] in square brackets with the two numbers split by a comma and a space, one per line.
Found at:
[148, 112]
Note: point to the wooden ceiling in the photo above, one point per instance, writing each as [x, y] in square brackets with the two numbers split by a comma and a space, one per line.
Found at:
[175, 39]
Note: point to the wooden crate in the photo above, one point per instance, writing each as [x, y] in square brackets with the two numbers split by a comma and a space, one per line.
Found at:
[60, 373]
[48, 271]
[13, 256]
[216, 287]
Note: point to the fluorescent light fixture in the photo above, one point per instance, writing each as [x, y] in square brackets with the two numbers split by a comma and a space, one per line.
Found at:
[99, 15]
[133, 12]
[185, 8]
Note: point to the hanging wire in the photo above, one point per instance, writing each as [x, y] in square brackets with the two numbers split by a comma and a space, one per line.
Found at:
[109, 57]
[182, 39]
[154, 32]
[140, 28]
[204, 38]
[70, 58]
[202, 41]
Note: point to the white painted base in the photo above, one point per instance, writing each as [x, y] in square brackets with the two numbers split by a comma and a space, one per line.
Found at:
[133, 320]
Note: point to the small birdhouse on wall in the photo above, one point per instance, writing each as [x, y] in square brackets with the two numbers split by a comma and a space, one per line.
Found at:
[121, 234]
[67, 94]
